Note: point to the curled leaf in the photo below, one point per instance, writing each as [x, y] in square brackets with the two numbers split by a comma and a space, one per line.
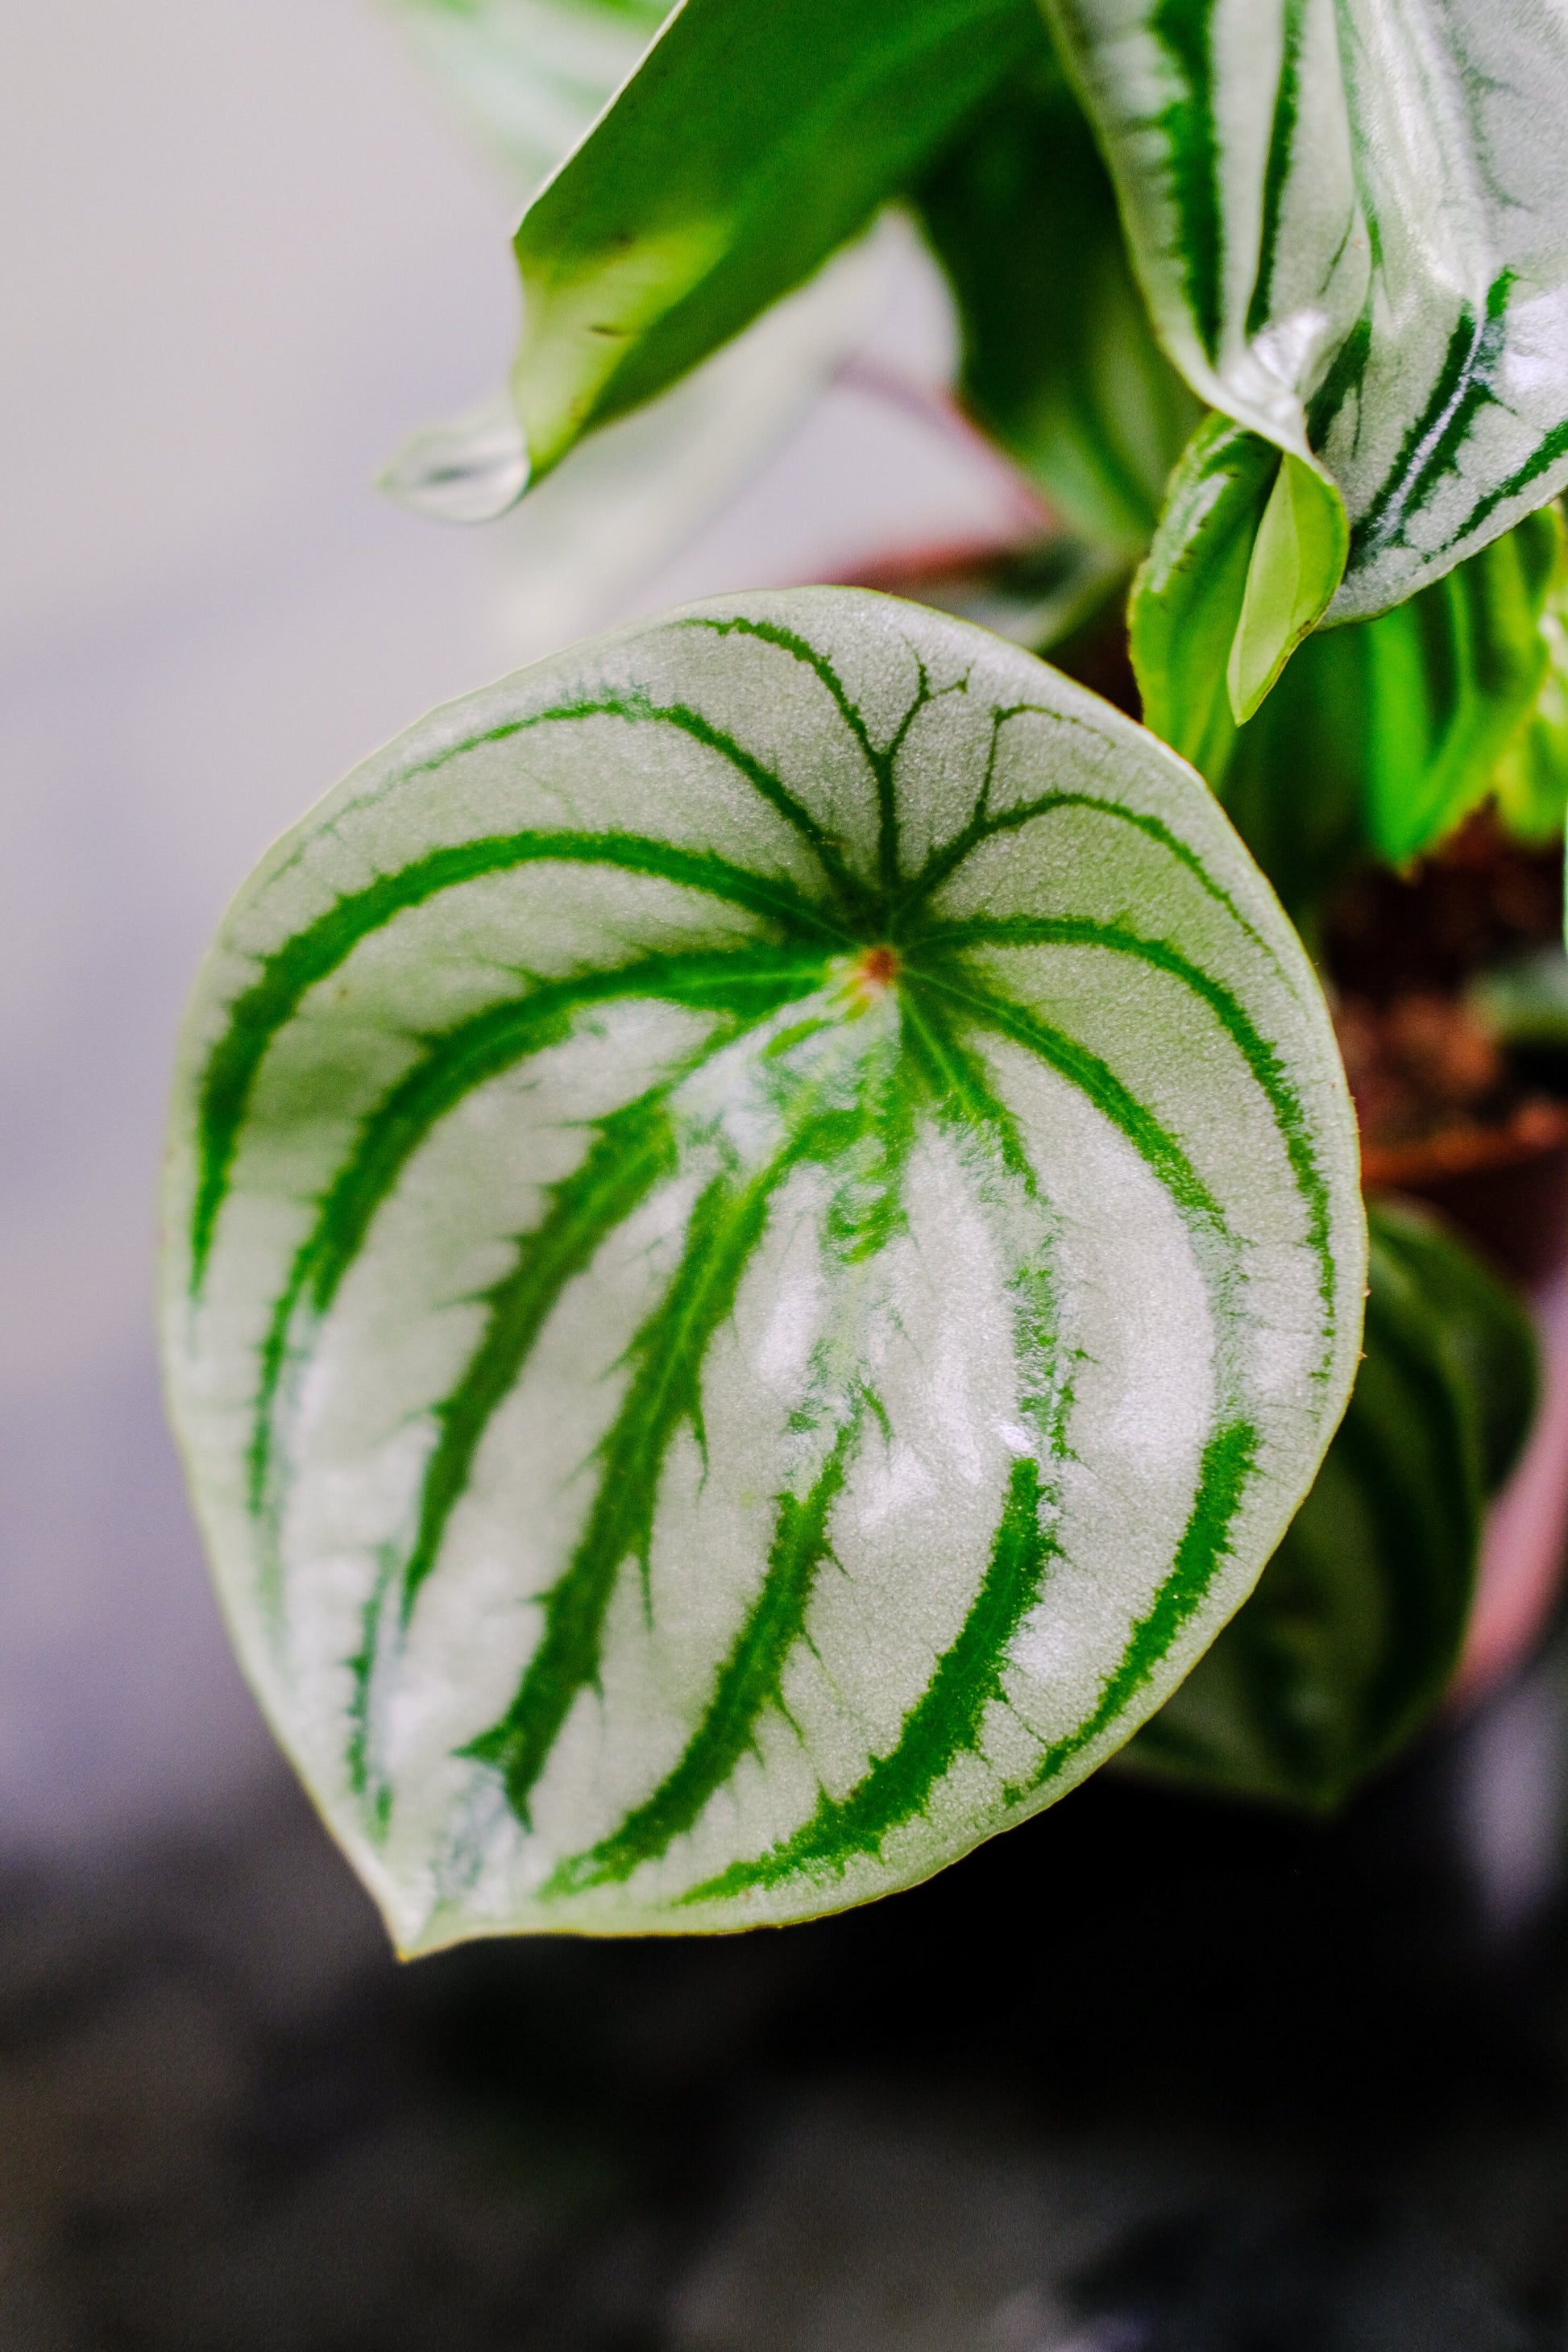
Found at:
[1249, 552]
[764, 1238]
[1351, 219]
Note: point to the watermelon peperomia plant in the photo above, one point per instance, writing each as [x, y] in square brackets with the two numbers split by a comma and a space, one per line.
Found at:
[765, 1249]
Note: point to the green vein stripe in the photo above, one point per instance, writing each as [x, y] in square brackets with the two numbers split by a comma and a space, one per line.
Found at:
[726, 1226]
[1262, 1058]
[311, 955]
[641, 709]
[944, 1722]
[1282, 144]
[1157, 1148]
[800, 649]
[746, 984]
[1555, 446]
[1229, 1460]
[956, 1080]
[634, 1151]
[1185, 29]
[748, 1683]
[881, 763]
[1430, 443]
[986, 826]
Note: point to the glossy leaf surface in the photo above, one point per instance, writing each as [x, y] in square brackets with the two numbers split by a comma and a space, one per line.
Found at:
[766, 1237]
[1058, 359]
[1351, 217]
[748, 146]
[1383, 736]
[1355, 1625]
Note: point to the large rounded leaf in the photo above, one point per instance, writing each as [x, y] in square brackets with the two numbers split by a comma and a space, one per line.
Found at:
[765, 1239]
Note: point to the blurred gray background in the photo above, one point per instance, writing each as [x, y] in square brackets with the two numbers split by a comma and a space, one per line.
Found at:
[244, 255]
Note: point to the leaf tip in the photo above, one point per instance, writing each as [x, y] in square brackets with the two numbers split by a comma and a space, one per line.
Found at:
[469, 468]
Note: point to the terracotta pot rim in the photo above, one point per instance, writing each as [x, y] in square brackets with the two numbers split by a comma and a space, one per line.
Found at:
[1537, 1132]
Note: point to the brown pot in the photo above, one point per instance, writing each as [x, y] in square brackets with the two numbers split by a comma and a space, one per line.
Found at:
[1507, 1189]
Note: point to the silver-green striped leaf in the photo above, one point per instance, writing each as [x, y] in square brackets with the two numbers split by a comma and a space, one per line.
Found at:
[1350, 218]
[764, 1238]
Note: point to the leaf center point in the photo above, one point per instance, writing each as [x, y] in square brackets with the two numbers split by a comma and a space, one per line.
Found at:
[872, 974]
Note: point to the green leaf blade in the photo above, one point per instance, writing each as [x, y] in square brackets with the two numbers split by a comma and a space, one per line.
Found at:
[745, 150]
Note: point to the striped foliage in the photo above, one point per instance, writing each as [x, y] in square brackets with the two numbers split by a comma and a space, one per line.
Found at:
[1353, 1630]
[1350, 218]
[764, 1238]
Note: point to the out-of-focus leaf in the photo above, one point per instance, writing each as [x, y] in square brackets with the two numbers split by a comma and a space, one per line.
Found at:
[1487, 1327]
[1526, 1002]
[1355, 1624]
[577, 552]
[764, 1237]
[1060, 361]
[1384, 735]
[1532, 779]
[748, 144]
[1246, 558]
[1350, 218]
[528, 76]
[1040, 596]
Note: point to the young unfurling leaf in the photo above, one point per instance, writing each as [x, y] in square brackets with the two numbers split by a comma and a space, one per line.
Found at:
[1247, 554]
[1384, 735]
[765, 1239]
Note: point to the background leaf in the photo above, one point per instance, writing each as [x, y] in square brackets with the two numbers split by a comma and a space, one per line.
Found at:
[1355, 1625]
[749, 145]
[1532, 779]
[766, 1236]
[1351, 219]
[1058, 359]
